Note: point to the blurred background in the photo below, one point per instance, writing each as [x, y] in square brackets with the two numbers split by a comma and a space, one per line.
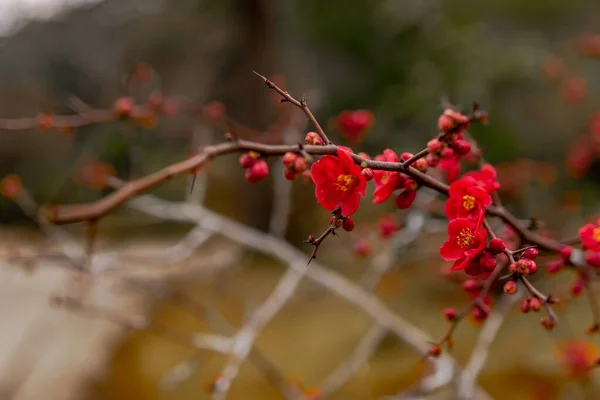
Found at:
[533, 66]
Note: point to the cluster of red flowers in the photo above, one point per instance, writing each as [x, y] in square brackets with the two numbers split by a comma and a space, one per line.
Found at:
[465, 208]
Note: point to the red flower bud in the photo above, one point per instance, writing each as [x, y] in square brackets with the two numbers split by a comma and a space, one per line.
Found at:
[45, 121]
[511, 287]
[450, 313]
[300, 164]
[565, 252]
[531, 253]
[410, 185]
[406, 156]
[471, 286]
[405, 199]
[367, 173]
[387, 226]
[432, 160]
[435, 351]
[434, 145]
[487, 262]
[532, 267]
[525, 306]
[290, 174]
[577, 287]
[258, 172]
[123, 106]
[247, 160]
[461, 147]
[548, 323]
[348, 224]
[478, 313]
[535, 305]
[362, 248]
[497, 245]
[447, 153]
[554, 266]
[313, 138]
[11, 186]
[421, 165]
[289, 158]
[445, 123]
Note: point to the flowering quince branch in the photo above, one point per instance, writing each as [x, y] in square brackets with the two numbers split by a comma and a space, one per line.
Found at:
[340, 176]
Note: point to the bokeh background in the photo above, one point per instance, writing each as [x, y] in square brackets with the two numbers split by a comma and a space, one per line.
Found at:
[532, 65]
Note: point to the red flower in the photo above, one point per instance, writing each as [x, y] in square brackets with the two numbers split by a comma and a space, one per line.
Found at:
[339, 182]
[590, 236]
[465, 242]
[486, 177]
[353, 125]
[578, 357]
[451, 167]
[386, 181]
[466, 200]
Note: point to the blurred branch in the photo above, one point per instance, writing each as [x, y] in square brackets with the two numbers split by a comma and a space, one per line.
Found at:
[382, 262]
[244, 339]
[286, 253]
[479, 354]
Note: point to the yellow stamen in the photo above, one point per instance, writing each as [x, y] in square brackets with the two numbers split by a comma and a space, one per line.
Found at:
[346, 182]
[596, 235]
[468, 202]
[465, 238]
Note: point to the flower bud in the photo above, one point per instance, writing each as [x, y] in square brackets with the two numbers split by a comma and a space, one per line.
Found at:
[123, 106]
[313, 138]
[461, 147]
[535, 305]
[348, 224]
[531, 253]
[447, 153]
[11, 186]
[432, 160]
[367, 173]
[421, 165]
[525, 306]
[445, 123]
[406, 156]
[434, 145]
[435, 351]
[471, 286]
[487, 262]
[289, 158]
[362, 248]
[258, 172]
[450, 313]
[548, 323]
[300, 164]
[410, 185]
[247, 160]
[577, 287]
[497, 245]
[565, 252]
[510, 287]
[554, 266]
